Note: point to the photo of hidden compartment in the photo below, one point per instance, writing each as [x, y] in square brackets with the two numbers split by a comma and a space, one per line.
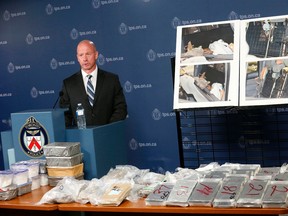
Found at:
[207, 65]
[264, 61]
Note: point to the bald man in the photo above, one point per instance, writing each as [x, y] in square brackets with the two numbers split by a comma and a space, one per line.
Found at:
[109, 103]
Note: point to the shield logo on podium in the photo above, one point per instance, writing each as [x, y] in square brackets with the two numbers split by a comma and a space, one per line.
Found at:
[33, 137]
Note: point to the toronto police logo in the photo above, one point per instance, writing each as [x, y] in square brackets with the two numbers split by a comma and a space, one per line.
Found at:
[156, 114]
[128, 86]
[96, 4]
[34, 92]
[133, 144]
[29, 39]
[151, 55]
[49, 9]
[74, 34]
[10, 68]
[123, 28]
[33, 137]
[101, 59]
[175, 22]
[53, 64]
[233, 16]
[6, 15]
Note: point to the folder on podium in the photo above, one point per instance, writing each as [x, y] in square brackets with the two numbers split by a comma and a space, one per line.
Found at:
[103, 146]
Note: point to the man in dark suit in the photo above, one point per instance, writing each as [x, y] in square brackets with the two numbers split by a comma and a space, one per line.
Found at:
[109, 103]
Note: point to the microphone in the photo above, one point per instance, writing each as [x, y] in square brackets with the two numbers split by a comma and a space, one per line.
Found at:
[60, 95]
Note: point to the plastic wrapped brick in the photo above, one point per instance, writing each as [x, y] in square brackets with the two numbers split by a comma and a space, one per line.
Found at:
[115, 194]
[204, 192]
[65, 171]
[229, 192]
[65, 161]
[276, 195]
[252, 193]
[8, 193]
[53, 181]
[61, 149]
[159, 195]
[181, 192]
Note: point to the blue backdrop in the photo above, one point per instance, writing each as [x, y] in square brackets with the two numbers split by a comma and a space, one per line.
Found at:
[135, 38]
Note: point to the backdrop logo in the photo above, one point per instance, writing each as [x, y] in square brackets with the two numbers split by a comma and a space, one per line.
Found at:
[245, 143]
[101, 59]
[49, 9]
[4, 42]
[11, 68]
[186, 143]
[175, 22]
[156, 114]
[128, 87]
[96, 4]
[151, 55]
[5, 94]
[233, 16]
[29, 39]
[34, 92]
[6, 15]
[53, 64]
[133, 144]
[33, 137]
[123, 29]
[74, 34]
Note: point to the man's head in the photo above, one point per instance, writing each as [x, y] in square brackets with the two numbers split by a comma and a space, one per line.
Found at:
[87, 55]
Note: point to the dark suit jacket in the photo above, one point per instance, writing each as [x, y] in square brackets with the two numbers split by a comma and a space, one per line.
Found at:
[109, 101]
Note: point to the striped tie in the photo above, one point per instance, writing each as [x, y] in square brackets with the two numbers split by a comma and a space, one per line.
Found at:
[90, 90]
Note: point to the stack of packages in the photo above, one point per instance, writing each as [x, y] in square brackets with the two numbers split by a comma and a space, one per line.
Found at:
[22, 178]
[63, 159]
[36, 175]
[7, 189]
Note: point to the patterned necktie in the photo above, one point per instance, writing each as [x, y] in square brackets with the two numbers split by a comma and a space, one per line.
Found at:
[90, 90]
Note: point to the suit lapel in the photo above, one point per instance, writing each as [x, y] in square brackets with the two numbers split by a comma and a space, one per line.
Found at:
[80, 84]
[99, 85]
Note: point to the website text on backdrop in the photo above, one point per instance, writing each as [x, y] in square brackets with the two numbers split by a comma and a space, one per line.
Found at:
[109, 103]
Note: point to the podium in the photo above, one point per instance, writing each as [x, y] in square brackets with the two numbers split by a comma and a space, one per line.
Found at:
[31, 130]
[103, 147]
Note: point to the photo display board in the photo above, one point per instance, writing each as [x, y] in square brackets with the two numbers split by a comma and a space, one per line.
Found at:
[232, 63]
[264, 61]
[207, 65]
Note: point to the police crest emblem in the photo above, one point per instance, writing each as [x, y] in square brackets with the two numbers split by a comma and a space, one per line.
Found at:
[33, 137]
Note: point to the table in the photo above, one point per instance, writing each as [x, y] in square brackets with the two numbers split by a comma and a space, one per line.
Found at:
[139, 207]
[27, 205]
